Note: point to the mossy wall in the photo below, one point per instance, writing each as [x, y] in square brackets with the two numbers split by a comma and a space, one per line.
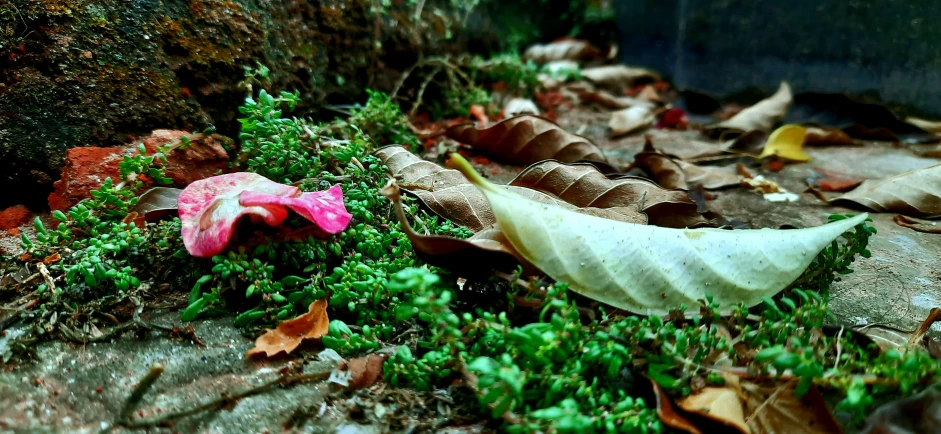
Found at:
[103, 72]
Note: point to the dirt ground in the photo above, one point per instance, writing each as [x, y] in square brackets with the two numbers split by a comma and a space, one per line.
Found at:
[73, 388]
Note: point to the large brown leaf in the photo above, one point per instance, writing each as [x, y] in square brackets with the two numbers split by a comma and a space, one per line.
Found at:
[671, 173]
[762, 116]
[775, 409]
[485, 251]
[619, 77]
[584, 186]
[858, 119]
[450, 195]
[567, 49]
[916, 193]
[526, 140]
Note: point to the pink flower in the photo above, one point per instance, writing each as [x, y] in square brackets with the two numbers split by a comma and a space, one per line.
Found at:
[209, 208]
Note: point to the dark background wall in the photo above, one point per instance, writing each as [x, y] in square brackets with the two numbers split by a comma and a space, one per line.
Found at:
[888, 50]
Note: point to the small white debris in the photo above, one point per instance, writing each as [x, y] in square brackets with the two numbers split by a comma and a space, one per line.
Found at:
[329, 355]
[782, 196]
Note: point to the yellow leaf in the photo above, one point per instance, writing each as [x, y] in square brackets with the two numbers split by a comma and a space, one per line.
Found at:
[787, 143]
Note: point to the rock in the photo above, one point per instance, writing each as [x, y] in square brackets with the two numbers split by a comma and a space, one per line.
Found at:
[99, 73]
[204, 157]
[14, 217]
[87, 168]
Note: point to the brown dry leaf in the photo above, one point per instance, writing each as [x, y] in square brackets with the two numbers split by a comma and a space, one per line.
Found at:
[527, 139]
[610, 101]
[487, 250]
[584, 186]
[671, 173]
[925, 124]
[762, 116]
[669, 415]
[619, 77]
[450, 195]
[649, 93]
[156, 202]
[289, 334]
[567, 49]
[717, 403]
[775, 409]
[918, 414]
[684, 148]
[364, 371]
[916, 193]
[630, 119]
[821, 136]
[890, 338]
[920, 225]
[833, 181]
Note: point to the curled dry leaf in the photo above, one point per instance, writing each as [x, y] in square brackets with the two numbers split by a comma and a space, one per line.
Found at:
[526, 140]
[363, 372]
[566, 49]
[925, 124]
[619, 77]
[671, 173]
[918, 414]
[821, 136]
[857, 119]
[786, 143]
[450, 195]
[630, 119]
[916, 193]
[920, 225]
[776, 409]
[761, 116]
[157, 202]
[668, 413]
[289, 334]
[584, 186]
[684, 148]
[717, 403]
[832, 181]
[487, 250]
[520, 106]
[610, 101]
[656, 268]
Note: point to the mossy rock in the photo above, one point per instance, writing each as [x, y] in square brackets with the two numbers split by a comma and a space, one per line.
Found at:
[104, 72]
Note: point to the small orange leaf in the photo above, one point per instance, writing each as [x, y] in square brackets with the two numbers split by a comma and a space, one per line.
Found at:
[364, 371]
[289, 334]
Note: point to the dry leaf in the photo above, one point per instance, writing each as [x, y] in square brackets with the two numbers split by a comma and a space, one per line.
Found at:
[650, 94]
[857, 119]
[930, 126]
[289, 334]
[610, 101]
[890, 338]
[520, 106]
[363, 372]
[775, 409]
[526, 140]
[630, 120]
[157, 202]
[820, 136]
[669, 415]
[671, 173]
[717, 403]
[832, 181]
[619, 77]
[920, 225]
[918, 414]
[761, 116]
[584, 186]
[450, 195]
[567, 49]
[684, 148]
[916, 193]
[487, 250]
[786, 143]
[660, 268]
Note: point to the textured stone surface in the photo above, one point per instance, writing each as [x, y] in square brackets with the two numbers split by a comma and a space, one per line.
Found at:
[102, 72]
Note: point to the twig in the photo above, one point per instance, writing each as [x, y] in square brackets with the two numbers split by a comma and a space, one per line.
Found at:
[45, 275]
[222, 402]
[839, 348]
[421, 91]
[770, 399]
[138, 394]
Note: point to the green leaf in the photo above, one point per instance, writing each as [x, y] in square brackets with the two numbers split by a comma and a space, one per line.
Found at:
[192, 311]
